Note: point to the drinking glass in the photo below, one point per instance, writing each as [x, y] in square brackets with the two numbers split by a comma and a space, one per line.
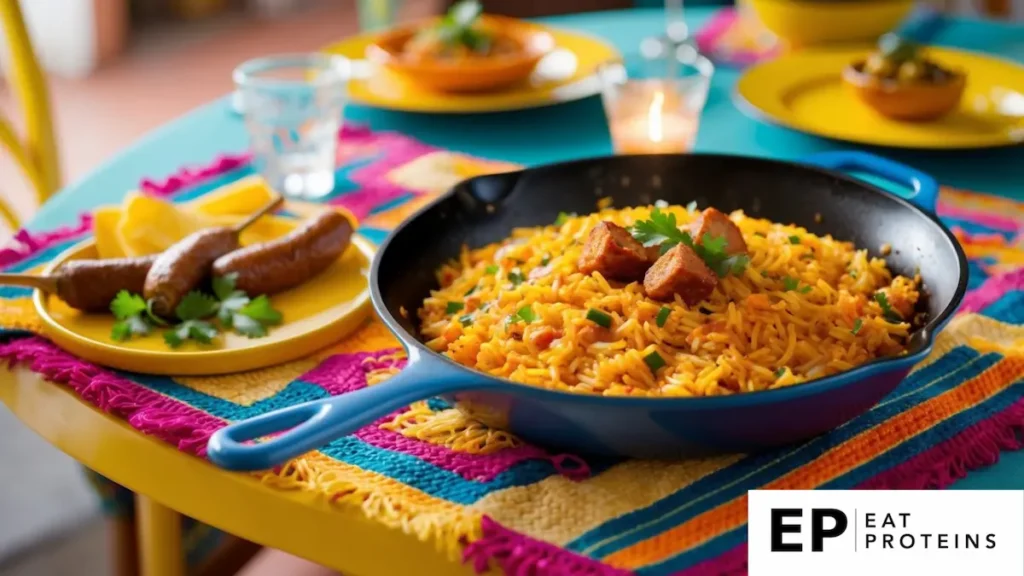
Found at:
[377, 14]
[293, 105]
[675, 22]
[653, 100]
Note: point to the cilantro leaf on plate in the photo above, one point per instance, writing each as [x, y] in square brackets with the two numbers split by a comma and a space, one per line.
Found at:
[195, 306]
[224, 286]
[248, 326]
[126, 305]
[260, 310]
[198, 330]
[124, 329]
[234, 302]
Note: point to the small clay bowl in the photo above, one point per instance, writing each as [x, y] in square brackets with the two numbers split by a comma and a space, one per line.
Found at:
[908, 102]
[470, 74]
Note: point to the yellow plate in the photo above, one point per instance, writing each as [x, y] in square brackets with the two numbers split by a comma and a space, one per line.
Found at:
[316, 314]
[803, 91]
[567, 73]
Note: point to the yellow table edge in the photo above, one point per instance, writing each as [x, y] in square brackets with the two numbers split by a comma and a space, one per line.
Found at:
[745, 97]
[306, 525]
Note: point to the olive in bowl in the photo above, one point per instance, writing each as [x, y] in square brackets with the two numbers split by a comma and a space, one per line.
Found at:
[899, 82]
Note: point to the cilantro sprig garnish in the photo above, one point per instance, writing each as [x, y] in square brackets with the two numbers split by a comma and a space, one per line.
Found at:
[792, 284]
[662, 230]
[888, 312]
[201, 316]
[130, 310]
[457, 27]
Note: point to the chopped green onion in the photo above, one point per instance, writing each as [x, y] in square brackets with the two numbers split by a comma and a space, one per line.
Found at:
[853, 274]
[654, 361]
[466, 320]
[526, 314]
[662, 316]
[544, 261]
[454, 307]
[471, 290]
[492, 269]
[563, 216]
[794, 239]
[780, 372]
[764, 273]
[516, 277]
[857, 324]
[790, 283]
[600, 318]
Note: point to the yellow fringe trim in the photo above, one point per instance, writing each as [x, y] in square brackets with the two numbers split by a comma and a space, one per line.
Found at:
[979, 332]
[382, 499]
[20, 314]
[449, 428]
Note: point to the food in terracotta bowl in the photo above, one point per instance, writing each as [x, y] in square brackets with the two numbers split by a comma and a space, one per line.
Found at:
[463, 51]
[900, 82]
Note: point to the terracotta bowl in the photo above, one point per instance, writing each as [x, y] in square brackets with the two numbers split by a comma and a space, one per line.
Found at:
[912, 102]
[471, 74]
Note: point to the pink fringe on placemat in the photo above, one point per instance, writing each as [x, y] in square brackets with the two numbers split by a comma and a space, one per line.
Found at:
[151, 413]
[974, 447]
[729, 563]
[191, 176]
[26, 244]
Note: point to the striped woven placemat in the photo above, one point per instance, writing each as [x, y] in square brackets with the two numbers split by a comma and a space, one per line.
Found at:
[484, 496]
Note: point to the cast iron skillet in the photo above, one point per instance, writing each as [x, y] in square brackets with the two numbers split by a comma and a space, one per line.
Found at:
[486, 209]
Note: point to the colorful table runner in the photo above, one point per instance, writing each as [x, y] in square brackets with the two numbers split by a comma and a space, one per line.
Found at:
[483, 496]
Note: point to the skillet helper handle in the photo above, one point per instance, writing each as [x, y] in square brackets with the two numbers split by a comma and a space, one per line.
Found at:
[924, 189]
[309, 426]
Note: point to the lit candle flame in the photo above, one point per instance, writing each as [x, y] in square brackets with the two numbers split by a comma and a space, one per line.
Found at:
[654, 122]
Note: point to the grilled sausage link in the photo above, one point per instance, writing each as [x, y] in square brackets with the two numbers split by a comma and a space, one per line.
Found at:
[90, 285]
[290, 260]
[184, 265]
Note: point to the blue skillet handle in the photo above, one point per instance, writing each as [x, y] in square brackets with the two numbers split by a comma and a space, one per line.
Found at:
[309, 426]
[924, 188]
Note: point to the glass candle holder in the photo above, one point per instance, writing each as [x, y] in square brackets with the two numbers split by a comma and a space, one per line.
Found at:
[293, 106]
[653, 100]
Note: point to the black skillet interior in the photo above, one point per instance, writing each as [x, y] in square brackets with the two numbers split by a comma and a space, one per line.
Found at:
[485, 209]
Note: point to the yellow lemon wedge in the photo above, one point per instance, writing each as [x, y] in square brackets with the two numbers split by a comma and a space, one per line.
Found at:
[105, 221]
[240, 198]
[150, 225]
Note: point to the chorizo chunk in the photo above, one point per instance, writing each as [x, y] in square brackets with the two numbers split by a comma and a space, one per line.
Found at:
[613, 252]
[680, 271]
[718, 225]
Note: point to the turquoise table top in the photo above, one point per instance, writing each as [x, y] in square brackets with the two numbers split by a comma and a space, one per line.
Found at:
[573, 131]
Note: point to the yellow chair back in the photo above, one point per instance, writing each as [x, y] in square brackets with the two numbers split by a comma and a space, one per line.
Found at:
[36, 154]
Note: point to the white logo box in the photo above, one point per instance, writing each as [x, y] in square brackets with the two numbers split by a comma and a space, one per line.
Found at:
[888, 532]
